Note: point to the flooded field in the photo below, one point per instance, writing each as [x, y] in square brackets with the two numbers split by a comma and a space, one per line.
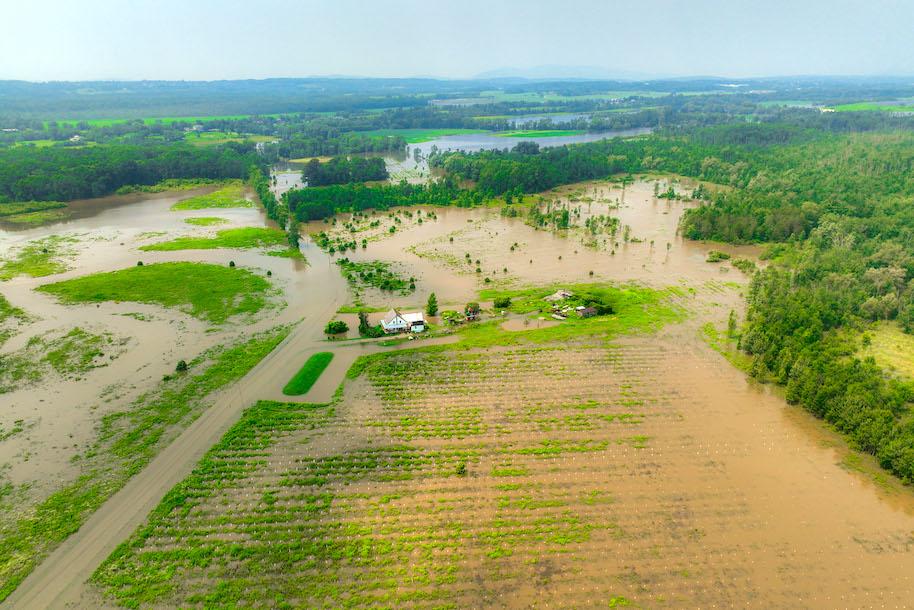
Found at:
[58, 416]
[632, 468]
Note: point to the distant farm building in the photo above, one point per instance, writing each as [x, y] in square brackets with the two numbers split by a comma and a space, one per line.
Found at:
[395, 322]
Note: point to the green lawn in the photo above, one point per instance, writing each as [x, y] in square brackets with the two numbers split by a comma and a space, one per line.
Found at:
[243, 237]
[209, 292]
[308, 374]
[229, 196]
[414, 136]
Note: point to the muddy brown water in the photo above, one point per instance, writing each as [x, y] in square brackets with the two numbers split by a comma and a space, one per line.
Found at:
[737, 499]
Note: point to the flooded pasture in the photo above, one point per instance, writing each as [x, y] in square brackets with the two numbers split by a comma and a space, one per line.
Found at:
[638, 470]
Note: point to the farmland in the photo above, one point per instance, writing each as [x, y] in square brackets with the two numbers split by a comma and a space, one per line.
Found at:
[464, 477]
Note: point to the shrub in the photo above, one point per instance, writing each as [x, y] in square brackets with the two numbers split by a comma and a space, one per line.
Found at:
[716, 256]
[502, 302]
[336, 327]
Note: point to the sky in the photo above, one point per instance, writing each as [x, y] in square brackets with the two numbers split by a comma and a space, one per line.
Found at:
[233, 39]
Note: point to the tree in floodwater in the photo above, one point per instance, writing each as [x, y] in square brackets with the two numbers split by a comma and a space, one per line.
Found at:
[431, 308]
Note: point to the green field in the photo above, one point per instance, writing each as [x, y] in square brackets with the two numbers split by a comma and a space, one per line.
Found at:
[244, 237]
[415, 136]
[229, 196]
[212, 293]
[308, 374]
[540, 133]
[873, 107]
[154, 120]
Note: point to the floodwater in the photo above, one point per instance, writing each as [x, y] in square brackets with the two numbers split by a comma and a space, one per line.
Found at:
[60, 415]
[474, 142]
[736, 499]
[435, 251]
[412, 165]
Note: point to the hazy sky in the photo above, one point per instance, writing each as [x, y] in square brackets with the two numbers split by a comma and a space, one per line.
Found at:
[220, 39]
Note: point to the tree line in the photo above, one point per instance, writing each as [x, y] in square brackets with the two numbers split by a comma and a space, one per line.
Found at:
[58, 174]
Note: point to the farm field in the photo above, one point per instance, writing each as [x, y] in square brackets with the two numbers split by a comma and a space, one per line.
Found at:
[617, 472]
[875, 107]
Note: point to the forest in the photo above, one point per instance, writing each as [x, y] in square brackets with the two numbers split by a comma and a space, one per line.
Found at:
[65, 174]
[344, 170]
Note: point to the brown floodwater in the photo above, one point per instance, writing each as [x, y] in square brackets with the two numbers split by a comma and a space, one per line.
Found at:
[737, 499]
[60, 415]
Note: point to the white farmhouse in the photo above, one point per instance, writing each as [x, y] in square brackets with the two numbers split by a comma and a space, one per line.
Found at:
[395, 322]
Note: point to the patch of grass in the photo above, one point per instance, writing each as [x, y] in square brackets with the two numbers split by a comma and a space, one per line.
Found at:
[726, 347]
[308, 374]
[415, 136]
[37, 218]
[229, 196]
[26, 207]
[10, 319]
[240, 238]
[38, 258]
[209, 292]
[127, 441]
[205, 221]
[171, 184]
[890, 347]
[359, 308]
[540, 133]
[70, 355]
